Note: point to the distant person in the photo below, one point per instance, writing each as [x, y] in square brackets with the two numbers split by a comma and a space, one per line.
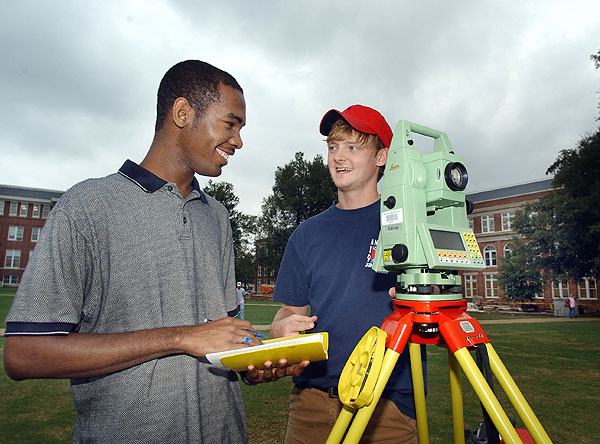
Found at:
[572, 307]
[240, 294]
[126, 270]
[326, 270]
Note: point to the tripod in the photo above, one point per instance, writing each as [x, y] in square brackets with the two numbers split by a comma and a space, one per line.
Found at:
[443, 323]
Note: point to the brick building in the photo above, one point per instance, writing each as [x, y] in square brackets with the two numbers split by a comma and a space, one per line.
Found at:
[491, 222]
[265, 276]
[23, 212]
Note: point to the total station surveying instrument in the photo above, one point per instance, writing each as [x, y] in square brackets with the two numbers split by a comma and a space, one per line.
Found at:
[425, 237]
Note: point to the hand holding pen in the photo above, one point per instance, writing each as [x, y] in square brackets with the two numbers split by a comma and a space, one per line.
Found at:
[246, 339]
[210, 337]
[272, 371]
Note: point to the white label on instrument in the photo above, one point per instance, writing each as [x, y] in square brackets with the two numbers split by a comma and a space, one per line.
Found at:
[467, 327]
[392, 217]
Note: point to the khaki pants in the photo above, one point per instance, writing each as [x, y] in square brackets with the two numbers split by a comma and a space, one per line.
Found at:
[313, 414]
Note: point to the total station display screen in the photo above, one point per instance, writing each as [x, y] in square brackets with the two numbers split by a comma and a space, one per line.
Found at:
[447, 240]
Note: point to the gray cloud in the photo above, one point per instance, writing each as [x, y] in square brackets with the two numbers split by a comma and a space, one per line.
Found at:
[510, 82]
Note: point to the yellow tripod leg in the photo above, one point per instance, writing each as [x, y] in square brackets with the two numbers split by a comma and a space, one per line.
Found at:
[516, 398]
[341, 424]
[358, 380]
[361, 419]
[458, 422]
[487, 397]
[416, 368]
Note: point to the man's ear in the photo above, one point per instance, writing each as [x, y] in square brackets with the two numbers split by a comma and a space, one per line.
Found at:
[182, 112]
[382, 156]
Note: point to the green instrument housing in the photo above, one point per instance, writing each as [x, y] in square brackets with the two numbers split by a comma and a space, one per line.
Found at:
[424, 233]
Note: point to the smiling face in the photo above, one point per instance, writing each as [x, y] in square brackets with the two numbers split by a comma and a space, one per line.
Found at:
[211, 138]
[354, 163]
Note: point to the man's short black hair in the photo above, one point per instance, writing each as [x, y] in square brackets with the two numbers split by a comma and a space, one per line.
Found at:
[196, 81]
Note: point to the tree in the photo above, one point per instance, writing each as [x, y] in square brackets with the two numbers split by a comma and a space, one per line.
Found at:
[596, 59]
[519, 274]
[245, 266]
[243, 228]
[578, 213]
[563, 227]
[302, 189]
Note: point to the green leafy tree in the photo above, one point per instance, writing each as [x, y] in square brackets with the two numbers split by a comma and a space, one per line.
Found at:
[245, 267]
[243, 228]
[302, 189]
[596, 59]
[576, 176]
[563, 227]
[520, 275]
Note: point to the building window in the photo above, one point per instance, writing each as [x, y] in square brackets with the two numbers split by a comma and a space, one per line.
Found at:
[491, 286]
[35, 234]
[541, 294]
[12, 259]
[560, 289]
[507, 220]
[487, 224]
[14, 207]
[489, 252]
[1, 208]
[471, 224]
[586, 289]
[10, 279]
[15, 233]
[507, 250]
[36, 211]
[45, 211]
[23, 209]
[470, 284]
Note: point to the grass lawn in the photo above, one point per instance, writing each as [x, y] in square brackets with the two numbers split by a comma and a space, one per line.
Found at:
[555, 364]
[6, 297]
[260, 312]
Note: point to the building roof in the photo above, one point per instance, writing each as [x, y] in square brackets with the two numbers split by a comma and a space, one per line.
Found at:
[511, 190]
[12, 192]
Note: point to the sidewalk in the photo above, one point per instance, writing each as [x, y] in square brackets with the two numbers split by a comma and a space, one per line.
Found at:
[517, 320]
[523, 320]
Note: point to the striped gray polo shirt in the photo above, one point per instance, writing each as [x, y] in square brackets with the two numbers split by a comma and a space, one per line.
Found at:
[123, 253]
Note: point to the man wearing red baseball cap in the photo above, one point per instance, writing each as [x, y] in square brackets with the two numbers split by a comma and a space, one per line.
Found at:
[326, 268]
[361, 118]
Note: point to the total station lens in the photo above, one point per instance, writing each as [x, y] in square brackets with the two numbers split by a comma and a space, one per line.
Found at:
[456, 176]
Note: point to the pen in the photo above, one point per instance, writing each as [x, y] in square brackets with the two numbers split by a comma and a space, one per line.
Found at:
[255, 333]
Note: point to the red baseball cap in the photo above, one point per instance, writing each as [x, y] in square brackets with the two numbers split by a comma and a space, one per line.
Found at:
[361, 118]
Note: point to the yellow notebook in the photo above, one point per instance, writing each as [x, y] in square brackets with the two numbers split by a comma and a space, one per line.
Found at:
[311, 347]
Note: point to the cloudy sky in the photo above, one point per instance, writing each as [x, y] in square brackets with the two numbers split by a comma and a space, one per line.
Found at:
[510, 82]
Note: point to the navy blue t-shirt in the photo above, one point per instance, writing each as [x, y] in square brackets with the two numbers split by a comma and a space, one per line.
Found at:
[327, 264]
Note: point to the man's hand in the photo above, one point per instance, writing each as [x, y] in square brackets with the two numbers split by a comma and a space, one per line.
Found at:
[215, 336]
[80, 355]
[270, 373]
[290, 321]
[392, 292]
